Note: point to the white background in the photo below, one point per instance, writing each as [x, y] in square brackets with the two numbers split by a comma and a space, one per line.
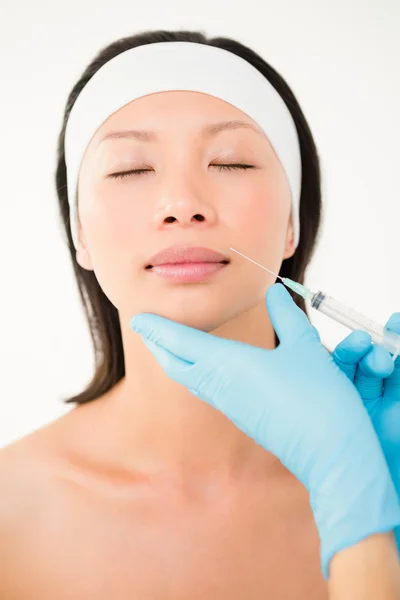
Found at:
[341, 59]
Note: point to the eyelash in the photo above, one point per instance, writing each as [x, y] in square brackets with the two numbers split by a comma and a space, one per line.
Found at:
[230, 167]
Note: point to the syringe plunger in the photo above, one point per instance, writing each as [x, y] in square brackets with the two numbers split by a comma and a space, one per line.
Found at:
[347, 316]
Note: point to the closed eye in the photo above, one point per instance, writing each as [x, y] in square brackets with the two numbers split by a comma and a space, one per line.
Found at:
[229, 167]
[234, 166]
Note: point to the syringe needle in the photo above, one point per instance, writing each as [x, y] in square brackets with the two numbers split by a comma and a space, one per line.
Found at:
[256, 263]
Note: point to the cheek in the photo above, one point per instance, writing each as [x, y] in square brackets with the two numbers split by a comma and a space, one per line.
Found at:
[112, 235]
[113, 220]
[261, 214]
[259, 223]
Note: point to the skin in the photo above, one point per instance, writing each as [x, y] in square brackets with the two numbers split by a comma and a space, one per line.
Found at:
[124, 223]
[367, 570]
[148, 492]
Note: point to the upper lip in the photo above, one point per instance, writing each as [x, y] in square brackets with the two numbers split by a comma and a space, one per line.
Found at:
[185, 254]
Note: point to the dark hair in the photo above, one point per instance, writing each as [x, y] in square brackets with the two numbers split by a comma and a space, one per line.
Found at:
[102, 316]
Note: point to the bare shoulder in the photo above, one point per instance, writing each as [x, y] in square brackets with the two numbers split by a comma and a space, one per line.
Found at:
[22, 485]
[21, 471]
[25, 463]
[26, 471]
[31, 467]
[35, 488]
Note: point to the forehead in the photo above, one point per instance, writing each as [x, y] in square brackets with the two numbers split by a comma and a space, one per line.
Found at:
[162, 109]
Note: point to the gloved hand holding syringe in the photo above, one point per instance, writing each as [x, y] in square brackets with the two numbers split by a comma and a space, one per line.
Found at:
[341, 313]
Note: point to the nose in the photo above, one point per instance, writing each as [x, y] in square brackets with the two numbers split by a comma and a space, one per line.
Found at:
[188, 209]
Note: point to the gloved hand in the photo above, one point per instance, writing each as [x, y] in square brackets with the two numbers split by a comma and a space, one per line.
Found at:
[296, 403]
[377, 380]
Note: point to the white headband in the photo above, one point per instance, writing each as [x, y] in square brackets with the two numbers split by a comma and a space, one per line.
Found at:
[167, 66]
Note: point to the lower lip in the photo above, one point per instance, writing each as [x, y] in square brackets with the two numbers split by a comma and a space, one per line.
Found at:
[187, 272]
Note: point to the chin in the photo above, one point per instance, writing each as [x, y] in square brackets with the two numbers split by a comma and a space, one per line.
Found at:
[204, 316]
[206, 309]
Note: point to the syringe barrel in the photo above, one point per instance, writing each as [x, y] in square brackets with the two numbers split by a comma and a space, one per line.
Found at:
[354, 320]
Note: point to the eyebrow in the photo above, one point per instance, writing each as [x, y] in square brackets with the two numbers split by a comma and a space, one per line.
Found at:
[142, 135]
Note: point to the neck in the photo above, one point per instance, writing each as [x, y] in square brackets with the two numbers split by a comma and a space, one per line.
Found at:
[150, 418]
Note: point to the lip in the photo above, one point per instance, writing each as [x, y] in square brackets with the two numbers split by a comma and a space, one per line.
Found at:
[188, 272]
[183, 254]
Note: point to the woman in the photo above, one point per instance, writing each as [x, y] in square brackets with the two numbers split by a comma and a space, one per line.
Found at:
[145, 490]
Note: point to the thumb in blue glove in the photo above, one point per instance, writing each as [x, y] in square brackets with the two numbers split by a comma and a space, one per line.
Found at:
[296, 403]
[377, 380]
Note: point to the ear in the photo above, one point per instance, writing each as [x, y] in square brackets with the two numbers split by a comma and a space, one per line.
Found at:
[289, 246]
[82, 252]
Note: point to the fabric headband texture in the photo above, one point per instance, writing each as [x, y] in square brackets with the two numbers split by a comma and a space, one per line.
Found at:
[184, 66]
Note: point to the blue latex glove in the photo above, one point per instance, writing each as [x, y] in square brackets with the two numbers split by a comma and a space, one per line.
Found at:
[377, 380]
[296, 403]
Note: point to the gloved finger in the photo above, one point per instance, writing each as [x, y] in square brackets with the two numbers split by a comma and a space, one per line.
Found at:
[198, 377]
[394, 323]
[288, 320]
[167, 360]
[350, 351]
[176, 368]
[392, 383]
[372, 369]
[187, 343]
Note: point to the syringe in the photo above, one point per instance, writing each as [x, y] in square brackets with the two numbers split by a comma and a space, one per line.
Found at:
[341, 313]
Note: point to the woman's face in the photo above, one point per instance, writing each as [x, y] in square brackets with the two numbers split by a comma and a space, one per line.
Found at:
[124, 221]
